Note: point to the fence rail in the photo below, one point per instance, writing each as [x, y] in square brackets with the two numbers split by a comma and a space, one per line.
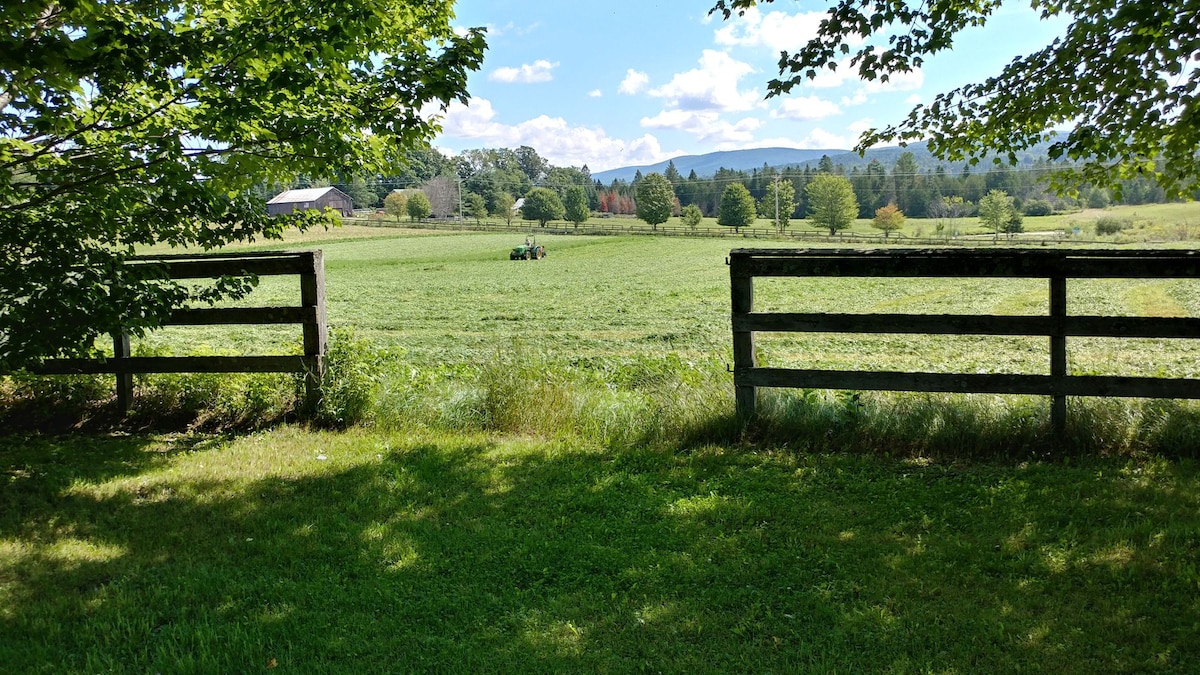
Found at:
[310, 314]
[1056, 266]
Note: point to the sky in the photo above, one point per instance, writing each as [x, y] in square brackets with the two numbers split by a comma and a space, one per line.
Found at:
[625, 83]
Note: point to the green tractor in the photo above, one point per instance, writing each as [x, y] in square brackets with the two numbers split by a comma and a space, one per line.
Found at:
[528, 251]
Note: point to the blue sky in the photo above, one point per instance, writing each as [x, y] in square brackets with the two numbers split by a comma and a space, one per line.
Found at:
[625, 83]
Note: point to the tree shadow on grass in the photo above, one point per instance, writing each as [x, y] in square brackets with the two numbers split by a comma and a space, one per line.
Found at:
[449, 556]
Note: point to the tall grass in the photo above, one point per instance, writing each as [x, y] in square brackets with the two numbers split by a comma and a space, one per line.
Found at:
[653, 401]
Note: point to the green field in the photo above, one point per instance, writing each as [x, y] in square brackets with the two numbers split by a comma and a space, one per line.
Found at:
[456, 298]
[544, 473]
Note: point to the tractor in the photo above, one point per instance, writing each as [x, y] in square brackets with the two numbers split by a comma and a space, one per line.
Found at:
[528, 251]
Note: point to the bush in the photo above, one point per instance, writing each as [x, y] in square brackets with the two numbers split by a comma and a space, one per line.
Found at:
[1110, 225]
[1038, 207]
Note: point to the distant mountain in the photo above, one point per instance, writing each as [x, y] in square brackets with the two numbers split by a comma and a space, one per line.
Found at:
[779, 158]
[707, 165]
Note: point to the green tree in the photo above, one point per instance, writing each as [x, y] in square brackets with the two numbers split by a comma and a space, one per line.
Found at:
[475, 206]
[1123, 73]
[364, 197]
[779, 202]
[831, 202]
[418, 206]
[396, 204]
[542, 204]
[888, 218]
[655, 199]
[737, 208]
[995, 211]
[575, 205]
[502, 206]
[125, 125]
[691, 216]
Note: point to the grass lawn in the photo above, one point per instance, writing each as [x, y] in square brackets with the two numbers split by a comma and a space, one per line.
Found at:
[371, 552]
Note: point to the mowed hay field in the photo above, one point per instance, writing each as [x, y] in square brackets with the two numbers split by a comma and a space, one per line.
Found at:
[446, 299]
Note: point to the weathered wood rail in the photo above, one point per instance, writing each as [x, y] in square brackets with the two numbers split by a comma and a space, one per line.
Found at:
[1056, 266]
[310, 314]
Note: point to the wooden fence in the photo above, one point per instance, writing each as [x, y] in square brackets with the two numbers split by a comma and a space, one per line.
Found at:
[1056, 266]
[310, 314]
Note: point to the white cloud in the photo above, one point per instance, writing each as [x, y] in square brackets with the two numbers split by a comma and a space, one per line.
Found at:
[706, 126]
[595, 93]
[712, 86]
[902, 81]
[915, 99]
[859, 98]
[805, 108]
[859, 126]
[776, 30]
[538, 71]
[634, 82]
[555, 139]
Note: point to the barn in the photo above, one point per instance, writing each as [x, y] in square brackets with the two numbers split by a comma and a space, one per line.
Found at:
[318, 198]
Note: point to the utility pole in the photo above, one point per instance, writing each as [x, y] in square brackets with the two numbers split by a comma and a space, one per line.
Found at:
[777, 203]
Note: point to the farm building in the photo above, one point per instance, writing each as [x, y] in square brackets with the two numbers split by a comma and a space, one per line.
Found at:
[311, 198]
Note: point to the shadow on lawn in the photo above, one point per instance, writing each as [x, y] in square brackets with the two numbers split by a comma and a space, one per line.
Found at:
[474, 558]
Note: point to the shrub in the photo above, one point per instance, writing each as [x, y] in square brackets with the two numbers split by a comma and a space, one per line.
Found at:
[1109, 225]
[1038, 207]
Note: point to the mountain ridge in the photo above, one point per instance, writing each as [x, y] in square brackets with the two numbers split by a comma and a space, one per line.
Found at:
[780, 158]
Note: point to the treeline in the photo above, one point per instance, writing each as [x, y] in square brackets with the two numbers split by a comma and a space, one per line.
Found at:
[500, 177]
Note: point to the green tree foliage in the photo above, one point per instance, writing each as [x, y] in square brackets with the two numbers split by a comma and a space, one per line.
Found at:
[396, 204]
[364, 197]
[831, 202]
[691, 216]
[655, 199]
[737, 207]
[502, 206]
[131, 124]
[418, 206]
[475, 206]
[1123, 74]
[995, 211]
[542, 204]
[778, 203]
[575, 205]
[888, 218]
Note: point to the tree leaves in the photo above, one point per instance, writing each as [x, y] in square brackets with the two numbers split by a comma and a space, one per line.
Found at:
[1125, 77]
[130, 124]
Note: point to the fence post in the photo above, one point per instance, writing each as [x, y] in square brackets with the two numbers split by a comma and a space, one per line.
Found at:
[742, 291]
[1058, 357]
[316, 336]
[124, 377]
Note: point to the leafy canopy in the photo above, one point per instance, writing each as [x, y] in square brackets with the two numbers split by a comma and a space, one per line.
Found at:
[575, 205]
[888, 218]
[418, 206]
[831, 202]
[129, 124]
[1123, 75]
[737, 207]
[542, 204]
[655, 199]
[778, 202]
